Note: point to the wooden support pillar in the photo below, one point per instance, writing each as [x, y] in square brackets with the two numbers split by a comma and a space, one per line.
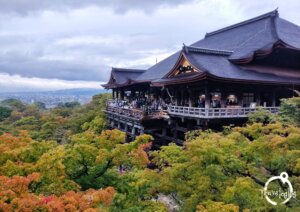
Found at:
[182, 97]
[190, 98]
[155, 94]
[132, 93]
[164, 131]
[207, 96]
[224, 95]
[182, 119]
[274, 98]
[172, 95]
[118, 94]
[175, 134]
[122, 94]
[257, 97]
[113, 93]
[240, 97]
[177, 97]
[133, 131]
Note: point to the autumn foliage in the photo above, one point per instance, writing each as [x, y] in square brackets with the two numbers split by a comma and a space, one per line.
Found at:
[65, 160]
[48, 184]
[15, 195]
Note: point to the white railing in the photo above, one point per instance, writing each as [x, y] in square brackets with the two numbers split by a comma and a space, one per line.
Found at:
[230, 112]
[208, 113]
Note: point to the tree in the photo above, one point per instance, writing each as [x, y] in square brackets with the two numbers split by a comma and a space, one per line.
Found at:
[212, 206]
[95, 169]
[16, 195]
[229, 168]
[93, 160]
[69, 104]
[5, 112]
[246, 194]
[290, 110]
[40, 105]
[14, 104]
[54, 179]
[261, 116]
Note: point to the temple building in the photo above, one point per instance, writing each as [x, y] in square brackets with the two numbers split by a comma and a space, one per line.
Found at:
[215, 81]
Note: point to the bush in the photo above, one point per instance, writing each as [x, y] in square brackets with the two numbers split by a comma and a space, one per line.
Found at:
[261, 116]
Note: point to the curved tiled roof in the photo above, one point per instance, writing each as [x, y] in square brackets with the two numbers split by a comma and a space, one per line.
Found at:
[223, 53]
[122, 77]
[160, 69]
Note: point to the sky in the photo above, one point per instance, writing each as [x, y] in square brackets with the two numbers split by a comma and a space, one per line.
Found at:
[62, 44]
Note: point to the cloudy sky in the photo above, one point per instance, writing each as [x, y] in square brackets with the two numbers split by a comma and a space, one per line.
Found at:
[58, 44]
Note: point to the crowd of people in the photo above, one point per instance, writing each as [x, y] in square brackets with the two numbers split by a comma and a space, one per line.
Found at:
[142, 103]
[156, 104]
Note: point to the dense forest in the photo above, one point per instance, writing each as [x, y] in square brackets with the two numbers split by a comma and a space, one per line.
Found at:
[65, 159]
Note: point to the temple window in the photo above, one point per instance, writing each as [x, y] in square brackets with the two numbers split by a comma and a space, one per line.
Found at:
[248, 99]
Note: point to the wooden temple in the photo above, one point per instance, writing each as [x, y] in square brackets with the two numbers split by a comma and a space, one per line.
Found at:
[216, 81]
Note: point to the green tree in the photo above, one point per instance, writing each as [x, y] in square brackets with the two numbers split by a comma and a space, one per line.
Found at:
[40, 105]
[228, 168]
[290, 110]
[5, 112]
[261, 116]
[14, 104]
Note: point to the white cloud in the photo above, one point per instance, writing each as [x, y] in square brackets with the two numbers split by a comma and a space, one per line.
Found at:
[119, 6]
[12, 83]
[112, 40]
[81, 41]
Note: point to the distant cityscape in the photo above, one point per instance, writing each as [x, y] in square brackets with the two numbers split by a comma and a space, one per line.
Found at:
[53, 98]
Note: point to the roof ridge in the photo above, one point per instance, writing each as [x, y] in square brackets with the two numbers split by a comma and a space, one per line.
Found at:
[269, 14]
[208, 50]
[128, 69]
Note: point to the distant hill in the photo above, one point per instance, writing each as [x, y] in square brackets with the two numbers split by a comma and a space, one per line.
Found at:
[76, 91]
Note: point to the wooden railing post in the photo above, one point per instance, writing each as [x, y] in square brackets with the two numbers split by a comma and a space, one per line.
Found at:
[206, 112]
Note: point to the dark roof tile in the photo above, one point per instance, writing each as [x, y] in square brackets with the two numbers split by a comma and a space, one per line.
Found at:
[160, 69]
[216, 53]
